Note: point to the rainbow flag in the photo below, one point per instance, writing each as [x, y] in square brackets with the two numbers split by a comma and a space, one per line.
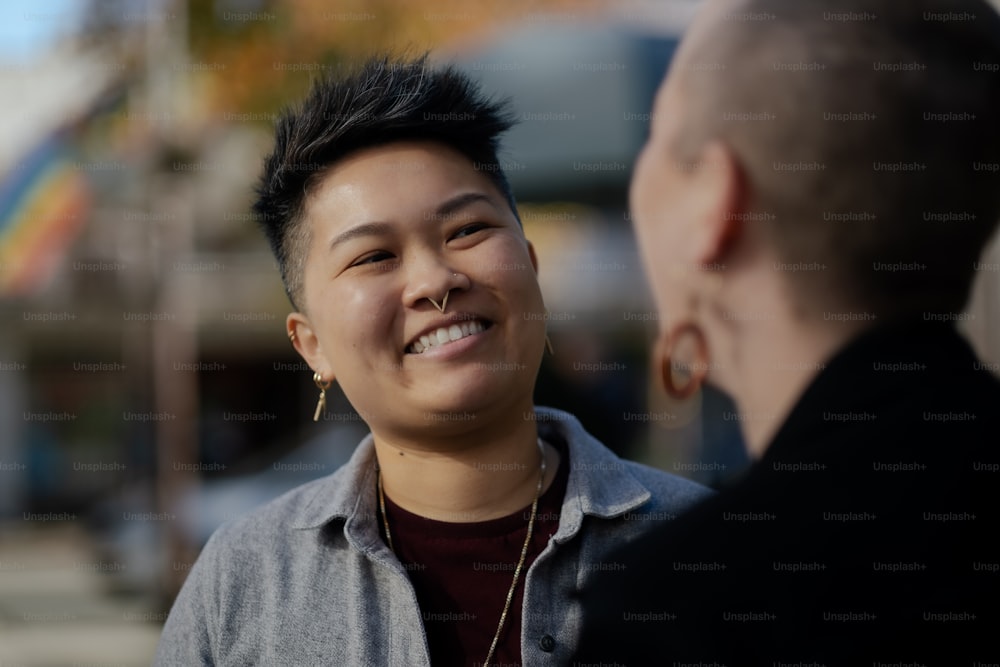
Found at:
[44, 200]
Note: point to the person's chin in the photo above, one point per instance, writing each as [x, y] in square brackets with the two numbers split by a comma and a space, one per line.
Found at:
[463, 399]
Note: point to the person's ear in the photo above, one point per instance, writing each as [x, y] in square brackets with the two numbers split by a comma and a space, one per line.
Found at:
[722, 194]
[533, 256]
[307, 344]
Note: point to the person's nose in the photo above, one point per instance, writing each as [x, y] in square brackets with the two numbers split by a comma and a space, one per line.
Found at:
[432, 279]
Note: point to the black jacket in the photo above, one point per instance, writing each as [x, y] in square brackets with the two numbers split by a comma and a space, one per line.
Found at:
[867, 534]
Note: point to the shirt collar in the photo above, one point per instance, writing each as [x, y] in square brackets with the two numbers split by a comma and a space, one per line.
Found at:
[339, 496]
[599, 482]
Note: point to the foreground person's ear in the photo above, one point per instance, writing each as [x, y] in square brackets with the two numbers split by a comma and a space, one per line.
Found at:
[721, 198]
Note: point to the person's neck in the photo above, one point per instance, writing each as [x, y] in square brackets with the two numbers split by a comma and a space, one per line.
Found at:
[475, 475]
[773, 361]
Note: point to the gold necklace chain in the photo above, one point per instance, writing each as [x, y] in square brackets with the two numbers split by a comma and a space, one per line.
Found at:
[520, 562]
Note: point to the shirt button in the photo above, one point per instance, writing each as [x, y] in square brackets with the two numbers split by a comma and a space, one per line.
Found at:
[547, 643]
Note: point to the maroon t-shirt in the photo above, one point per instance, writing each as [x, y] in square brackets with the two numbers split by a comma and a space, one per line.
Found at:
[461, 573]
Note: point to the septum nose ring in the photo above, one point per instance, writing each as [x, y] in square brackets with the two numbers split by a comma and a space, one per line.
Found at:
[444, 301]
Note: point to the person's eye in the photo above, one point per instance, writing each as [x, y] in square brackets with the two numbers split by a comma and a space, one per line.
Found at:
[470, 229]
[373, 258]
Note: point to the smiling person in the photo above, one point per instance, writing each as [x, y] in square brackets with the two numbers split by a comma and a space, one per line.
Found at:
[812, 203]
[466, 521]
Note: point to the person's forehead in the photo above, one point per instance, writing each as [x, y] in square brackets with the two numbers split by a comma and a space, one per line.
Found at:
[395, 182]
[415, 169]
[403, 160]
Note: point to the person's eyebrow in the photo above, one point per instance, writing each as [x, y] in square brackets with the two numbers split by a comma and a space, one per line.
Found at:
[458, 202]
[447, 208]
[358, 231]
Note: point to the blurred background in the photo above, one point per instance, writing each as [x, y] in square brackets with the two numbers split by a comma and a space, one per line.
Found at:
[147, 389]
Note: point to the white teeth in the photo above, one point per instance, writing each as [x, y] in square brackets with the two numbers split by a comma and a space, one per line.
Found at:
[446, 335]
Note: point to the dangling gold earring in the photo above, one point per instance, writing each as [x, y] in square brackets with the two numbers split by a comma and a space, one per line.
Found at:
[322, 386]
[664, 362]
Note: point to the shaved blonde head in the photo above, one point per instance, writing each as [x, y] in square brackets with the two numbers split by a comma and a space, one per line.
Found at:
[862, 128]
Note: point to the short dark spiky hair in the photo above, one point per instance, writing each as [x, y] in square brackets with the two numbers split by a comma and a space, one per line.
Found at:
[384, 100]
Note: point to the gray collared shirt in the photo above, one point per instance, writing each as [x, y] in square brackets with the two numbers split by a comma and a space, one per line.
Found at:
[307, 579]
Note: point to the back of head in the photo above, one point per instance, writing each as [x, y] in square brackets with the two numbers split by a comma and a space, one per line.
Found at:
[869, 131]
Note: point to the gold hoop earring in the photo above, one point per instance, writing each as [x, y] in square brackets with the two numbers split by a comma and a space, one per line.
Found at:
[665, 363]
[548, 345]
[322, 386]
[291, 336]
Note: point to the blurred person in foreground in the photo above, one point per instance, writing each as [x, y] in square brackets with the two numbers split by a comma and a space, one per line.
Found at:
[812, 204]
[465, 522]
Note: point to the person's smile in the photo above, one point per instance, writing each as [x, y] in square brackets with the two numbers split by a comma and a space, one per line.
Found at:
[448, 337]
